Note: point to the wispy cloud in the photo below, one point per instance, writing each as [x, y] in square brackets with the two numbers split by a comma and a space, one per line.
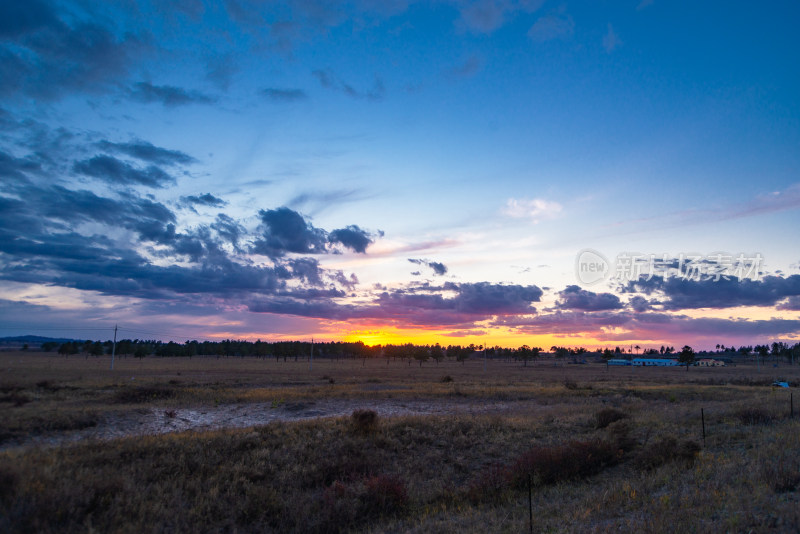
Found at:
[168, 95]
[557, 25]
[438, 268]
[329, 80]
[284, 95]
[534, 209]
[611, 40]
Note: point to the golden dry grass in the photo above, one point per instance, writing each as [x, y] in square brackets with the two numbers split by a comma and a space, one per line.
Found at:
[403, 474]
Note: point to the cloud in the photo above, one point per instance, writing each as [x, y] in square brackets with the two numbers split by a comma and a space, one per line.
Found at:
[534, 209]
[16, 168]
[148, 152]
[329, 80]
[791, 304]
[575, 298]
[206, 199]
[470, 67]
[438, 268]
[220, 69]
[640, 304]
[486, 16]
[167, 95]
[418, 306]
[611, 40]
[351, 237]
[113, 171]
[315, 202]
[45, 55]
[284, 95]
[284, 230]
[683, 293]
[552, 26]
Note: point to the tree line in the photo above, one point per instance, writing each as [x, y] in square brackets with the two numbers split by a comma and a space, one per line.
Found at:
[295, 350]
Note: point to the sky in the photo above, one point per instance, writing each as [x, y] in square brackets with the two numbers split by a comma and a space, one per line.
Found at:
[496, 172]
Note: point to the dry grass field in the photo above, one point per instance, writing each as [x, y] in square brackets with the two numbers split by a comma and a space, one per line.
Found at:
[439, 448]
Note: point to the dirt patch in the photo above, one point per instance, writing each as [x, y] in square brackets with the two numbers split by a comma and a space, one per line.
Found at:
[149, 421]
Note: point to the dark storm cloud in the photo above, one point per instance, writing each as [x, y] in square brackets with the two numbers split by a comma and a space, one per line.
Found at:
[284, 95]
[439, 269]
[168, 95]
[351, 237]
[114, 171]
[148, 152]
[206, 199]
[575, 298]
[683, 293]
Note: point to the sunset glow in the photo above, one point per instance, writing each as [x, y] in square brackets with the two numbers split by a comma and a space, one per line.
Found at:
[477, 172]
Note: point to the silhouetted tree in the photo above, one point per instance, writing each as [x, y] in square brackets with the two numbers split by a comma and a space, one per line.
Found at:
[686, 356]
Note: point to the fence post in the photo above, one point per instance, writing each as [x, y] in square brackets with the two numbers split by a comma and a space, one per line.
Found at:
[530, 505]
[703, 420]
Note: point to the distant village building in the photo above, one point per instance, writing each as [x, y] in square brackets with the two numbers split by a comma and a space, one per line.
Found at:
[654, 362]
[618, 362]
[710, 362]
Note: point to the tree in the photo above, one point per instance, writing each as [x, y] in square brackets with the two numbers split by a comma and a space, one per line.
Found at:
[420, 354]
[96, 349]
[437, 353]
[686, 356]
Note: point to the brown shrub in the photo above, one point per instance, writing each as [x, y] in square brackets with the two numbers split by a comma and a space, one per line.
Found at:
[491, 483]
[384, 495]
[666, 450]
[606, 416]
[364, 421]
[572, 460]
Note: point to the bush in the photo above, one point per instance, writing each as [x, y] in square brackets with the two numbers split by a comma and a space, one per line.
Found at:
[490, 484]
[572, 460]
[666, 450]
[606, 416]
[364, 421]
[384, 495]
[446, 378]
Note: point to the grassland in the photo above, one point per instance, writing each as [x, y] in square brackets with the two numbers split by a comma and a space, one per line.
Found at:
[604, 450]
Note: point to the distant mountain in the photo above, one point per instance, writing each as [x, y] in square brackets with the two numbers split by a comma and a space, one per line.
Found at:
[38, 340]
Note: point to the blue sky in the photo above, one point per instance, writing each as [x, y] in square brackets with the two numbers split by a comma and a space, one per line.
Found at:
[269, 169]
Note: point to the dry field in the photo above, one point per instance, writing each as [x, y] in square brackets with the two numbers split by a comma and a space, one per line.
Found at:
[249, 445]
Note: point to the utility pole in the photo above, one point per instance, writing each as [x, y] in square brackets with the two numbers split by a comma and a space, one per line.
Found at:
[311, 358]
[114, 347]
